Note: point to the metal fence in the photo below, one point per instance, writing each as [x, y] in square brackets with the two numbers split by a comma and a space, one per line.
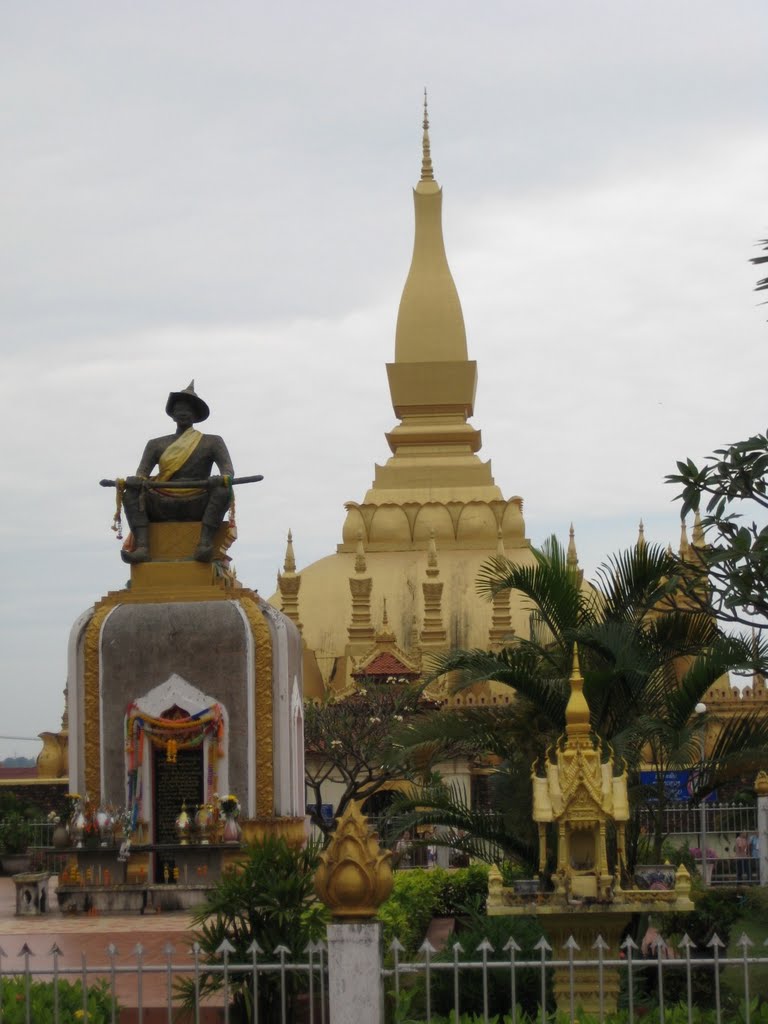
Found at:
[41, 832]
[141, 977]
[708, 818]
[735, 871]
[657, 965]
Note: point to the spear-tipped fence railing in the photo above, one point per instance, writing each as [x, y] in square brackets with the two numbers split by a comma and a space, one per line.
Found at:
[312, 967]
[657, 963]
[685, 819]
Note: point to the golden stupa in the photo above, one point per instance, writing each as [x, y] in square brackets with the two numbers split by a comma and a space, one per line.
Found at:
[432, 516]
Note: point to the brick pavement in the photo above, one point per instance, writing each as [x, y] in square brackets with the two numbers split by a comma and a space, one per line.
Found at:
[78, 935]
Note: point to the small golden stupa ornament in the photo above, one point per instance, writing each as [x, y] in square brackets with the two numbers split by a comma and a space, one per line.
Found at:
[761, 783]
[354, 876]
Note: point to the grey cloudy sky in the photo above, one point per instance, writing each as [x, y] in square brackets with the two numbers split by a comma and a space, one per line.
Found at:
[224, 192]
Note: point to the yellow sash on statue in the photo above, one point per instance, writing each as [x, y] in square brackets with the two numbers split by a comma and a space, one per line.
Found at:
[174, 457]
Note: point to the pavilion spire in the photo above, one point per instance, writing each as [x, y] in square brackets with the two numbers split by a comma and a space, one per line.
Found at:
[577, 717]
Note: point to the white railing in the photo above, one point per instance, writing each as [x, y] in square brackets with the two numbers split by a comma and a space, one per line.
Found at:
[627, 961]
[312, 969]
[714, 818]
[659, 963]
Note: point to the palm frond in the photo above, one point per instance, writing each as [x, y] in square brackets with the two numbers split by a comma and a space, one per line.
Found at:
[552, 587]
[636, 580]
[484, 834]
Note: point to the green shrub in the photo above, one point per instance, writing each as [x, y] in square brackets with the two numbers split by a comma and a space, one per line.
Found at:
[463, 890]
[673, 1014]
[268, 898]
[16, 833]
[41, 998]
[419, 895]
[411, 906]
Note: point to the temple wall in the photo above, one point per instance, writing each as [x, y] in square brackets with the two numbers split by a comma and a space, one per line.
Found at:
[142, 645]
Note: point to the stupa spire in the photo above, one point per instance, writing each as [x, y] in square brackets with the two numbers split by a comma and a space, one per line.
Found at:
[289, 584]
[430, 323]
[289, 565]
[685, 547]
[572, 558]
[641, 536]
[427, 174]
[697, 537]
[501, 620]
[432, 382]
[433, 631]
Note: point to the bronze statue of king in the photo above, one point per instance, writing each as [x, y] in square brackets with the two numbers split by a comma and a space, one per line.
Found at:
[187, 455]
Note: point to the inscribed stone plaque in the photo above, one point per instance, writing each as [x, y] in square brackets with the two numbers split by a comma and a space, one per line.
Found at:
[176, 783]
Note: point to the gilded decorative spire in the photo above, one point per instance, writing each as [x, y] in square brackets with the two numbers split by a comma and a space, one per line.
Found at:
[501, 620]
[577, 722]
[427, 174]
[572, 558]
[685, 547]
[385, 617]
[289, 565]
[433, 632]
[697, 536]
[360, 631]
[432, 381]
[432, 566]
[289, 584]
[641, 536]
[430, 324]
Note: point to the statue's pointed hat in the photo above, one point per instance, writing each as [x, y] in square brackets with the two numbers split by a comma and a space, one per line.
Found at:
[202, 412]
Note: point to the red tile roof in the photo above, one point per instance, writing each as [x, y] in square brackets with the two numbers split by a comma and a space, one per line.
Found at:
[386, 664]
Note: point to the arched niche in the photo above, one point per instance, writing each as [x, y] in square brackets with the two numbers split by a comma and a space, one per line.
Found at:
[389, 523]
[477, 523]
[148, 731]
[433, 516]
[512, 524]
[354, 525]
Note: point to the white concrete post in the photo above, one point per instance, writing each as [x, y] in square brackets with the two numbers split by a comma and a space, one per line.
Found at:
[762, 832]
[355, 989]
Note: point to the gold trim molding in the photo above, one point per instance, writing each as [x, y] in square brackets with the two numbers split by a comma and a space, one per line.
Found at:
[262, 644]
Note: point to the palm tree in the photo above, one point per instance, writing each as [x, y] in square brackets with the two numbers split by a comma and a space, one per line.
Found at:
[647, 662]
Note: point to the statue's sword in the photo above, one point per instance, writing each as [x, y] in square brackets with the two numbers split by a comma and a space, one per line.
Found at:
[173, 484]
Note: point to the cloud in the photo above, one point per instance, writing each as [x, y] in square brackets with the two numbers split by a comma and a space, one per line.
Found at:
[224, 193]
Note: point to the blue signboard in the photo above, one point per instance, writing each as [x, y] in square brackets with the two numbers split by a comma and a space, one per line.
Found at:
[678, 785]
[326, 811]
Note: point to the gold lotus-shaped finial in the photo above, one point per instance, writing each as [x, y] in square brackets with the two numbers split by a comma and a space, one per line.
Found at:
[761, 783]
[354, 876]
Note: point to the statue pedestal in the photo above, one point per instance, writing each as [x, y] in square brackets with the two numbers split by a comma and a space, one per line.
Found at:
[173, 568]
[184, 685]
[585, 926]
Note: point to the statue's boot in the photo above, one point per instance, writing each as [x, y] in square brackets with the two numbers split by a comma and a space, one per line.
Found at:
[204, 550]
[140, 552]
